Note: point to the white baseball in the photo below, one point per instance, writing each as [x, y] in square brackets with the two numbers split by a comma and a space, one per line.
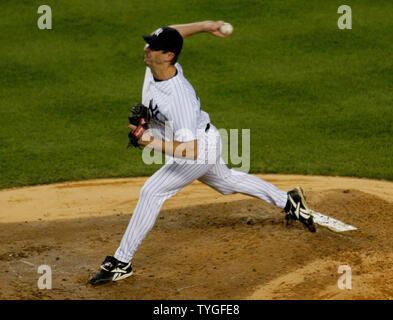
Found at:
[226, 28]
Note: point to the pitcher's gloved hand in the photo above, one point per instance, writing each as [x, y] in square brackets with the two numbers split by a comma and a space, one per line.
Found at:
[140, 117]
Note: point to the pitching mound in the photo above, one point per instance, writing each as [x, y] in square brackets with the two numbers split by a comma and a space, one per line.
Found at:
[204, 245]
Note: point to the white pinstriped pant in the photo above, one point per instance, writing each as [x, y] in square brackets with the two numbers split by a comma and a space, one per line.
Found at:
[173, 177]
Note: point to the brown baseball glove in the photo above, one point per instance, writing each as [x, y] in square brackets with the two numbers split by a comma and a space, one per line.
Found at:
[140, 117]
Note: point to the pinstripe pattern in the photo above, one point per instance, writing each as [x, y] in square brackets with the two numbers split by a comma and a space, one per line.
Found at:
[176, 103]
[175, 100]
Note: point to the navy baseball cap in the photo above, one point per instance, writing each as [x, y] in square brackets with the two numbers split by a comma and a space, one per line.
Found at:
[165, 38]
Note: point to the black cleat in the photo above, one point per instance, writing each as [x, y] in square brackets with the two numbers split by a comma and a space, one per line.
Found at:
[296, 208]
[111, 270]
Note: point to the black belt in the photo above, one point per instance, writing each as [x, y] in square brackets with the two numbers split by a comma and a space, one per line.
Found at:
[207, 127]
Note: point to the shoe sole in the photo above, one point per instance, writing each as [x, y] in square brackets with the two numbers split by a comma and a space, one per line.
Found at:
[101, 282]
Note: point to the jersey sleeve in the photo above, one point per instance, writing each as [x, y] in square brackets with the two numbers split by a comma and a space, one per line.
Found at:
[184, 117]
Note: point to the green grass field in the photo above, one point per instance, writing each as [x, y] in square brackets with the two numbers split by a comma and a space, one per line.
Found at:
[318, 100]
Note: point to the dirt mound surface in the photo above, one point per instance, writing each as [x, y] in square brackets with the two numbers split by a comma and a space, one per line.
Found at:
[203, 245]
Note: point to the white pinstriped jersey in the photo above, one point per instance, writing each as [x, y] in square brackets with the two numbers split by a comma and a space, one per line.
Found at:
[174, 101]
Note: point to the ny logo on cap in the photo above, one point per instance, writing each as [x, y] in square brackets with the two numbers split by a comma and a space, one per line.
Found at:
[157, 32]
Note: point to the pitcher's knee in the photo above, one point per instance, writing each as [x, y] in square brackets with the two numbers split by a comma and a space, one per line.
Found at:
[147, 192]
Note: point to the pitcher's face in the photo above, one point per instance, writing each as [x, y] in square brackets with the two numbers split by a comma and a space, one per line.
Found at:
[156, 57]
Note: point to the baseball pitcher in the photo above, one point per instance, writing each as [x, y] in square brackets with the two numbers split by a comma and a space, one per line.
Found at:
[192, 147]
